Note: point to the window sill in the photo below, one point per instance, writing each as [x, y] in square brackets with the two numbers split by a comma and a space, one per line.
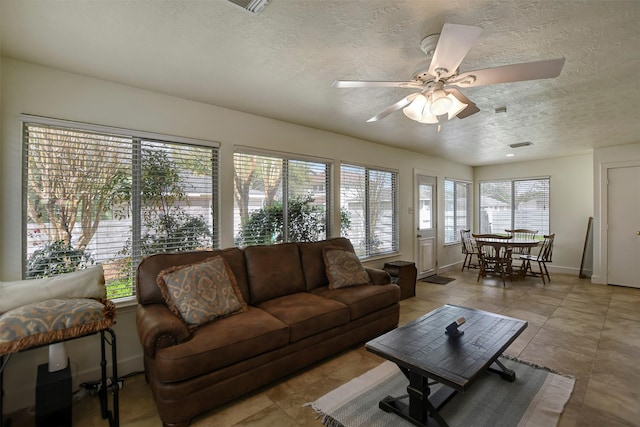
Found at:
[377, 258]
[124, 303]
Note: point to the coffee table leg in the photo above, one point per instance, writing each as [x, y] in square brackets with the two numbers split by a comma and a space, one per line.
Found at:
[504, 372]
[420, 408]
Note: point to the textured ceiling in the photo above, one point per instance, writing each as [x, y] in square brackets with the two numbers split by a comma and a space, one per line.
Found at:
[281, 64]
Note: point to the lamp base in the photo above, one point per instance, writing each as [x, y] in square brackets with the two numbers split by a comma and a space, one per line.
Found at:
[58, 358]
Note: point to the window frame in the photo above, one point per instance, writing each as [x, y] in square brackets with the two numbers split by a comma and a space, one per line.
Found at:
[395, 226]
[456, 227]
[513, 212]
[138, 139]
[285, 186]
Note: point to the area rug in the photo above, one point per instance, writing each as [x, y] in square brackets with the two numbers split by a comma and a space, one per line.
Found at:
[438, 280]
[536, 398]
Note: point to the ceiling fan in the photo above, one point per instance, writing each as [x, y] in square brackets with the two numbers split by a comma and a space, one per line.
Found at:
[436, 77]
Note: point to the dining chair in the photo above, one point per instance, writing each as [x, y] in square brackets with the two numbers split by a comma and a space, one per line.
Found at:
[542, 258]
[494, 256]
[490, 236]
[469, 249]
[524, 234]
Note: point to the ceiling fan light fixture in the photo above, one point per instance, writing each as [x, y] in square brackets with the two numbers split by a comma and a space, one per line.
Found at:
[427, 117]
[456, 106]
[426, 107]
[415, 109]
[440, 103]
[445, 52]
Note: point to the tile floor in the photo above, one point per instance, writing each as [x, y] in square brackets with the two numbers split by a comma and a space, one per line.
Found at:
[589, 331]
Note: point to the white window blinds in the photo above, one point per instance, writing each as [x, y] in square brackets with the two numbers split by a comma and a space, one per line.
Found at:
[280, 198]
[522, 203]
[457, 209]
[111, 198]
[368, 200]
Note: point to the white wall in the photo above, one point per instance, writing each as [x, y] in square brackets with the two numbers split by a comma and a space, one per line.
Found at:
[571, 204]
[1, 147]
[37, 90]
[604, 158]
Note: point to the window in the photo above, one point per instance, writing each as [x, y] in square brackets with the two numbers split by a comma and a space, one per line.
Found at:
[99, 195]
[457, 209]
[522, 203]
[369, 213]
[280, 198]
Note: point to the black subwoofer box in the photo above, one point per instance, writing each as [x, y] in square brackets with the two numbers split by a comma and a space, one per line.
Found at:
[53, 397]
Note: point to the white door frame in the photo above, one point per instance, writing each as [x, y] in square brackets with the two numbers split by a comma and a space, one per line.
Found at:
[416, 217]
[604, 215]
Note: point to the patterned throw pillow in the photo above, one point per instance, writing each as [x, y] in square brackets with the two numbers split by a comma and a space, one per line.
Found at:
[343, 268]
[202, 292]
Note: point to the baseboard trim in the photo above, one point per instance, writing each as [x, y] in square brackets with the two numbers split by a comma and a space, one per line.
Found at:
[552, 269]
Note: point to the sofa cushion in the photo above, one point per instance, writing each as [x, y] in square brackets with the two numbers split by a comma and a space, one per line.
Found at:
[53, 320]
[307, 314]
[273, 271]
[362, 300]
[221, 343]
[343, 268]
[201, 292]
[315, 273]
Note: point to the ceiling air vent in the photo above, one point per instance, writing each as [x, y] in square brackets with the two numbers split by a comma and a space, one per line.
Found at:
[520, 144]
[254, 6]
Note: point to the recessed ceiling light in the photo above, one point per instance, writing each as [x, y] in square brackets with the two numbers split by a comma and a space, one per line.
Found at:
[510, 155]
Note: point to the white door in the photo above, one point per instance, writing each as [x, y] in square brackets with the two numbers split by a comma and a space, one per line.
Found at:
[426, 225]
[623, 231]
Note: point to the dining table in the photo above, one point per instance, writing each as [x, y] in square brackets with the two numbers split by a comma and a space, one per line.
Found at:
[509, 243]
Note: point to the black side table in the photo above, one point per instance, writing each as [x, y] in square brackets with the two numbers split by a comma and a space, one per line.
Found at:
[403, 273]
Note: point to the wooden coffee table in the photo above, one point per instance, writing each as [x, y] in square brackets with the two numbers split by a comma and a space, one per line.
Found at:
[426, 355]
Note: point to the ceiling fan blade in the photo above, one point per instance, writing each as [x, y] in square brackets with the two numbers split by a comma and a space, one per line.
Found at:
[546, 69]
[453, 45]
[365, 83]
[395, 107]
[472, 108]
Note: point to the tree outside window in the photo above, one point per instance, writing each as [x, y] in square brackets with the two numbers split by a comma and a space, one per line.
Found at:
[279, 199]
[100, 197]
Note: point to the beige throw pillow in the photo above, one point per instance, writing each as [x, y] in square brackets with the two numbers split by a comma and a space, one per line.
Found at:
[87, 283]
[343, 268]
[202, 292]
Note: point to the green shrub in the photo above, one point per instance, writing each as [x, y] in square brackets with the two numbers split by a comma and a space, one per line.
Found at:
[57, 257]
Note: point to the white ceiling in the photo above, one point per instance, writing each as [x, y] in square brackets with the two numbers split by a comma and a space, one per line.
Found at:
[281, 64]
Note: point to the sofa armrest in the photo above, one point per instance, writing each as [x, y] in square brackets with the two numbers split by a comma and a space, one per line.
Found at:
[159, 328]
[378, 277]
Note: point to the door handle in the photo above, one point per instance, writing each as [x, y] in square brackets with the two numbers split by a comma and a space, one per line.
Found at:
[638, 232]
[420, 235]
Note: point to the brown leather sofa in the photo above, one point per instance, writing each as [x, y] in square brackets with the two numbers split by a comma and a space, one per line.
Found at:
[293, 320]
